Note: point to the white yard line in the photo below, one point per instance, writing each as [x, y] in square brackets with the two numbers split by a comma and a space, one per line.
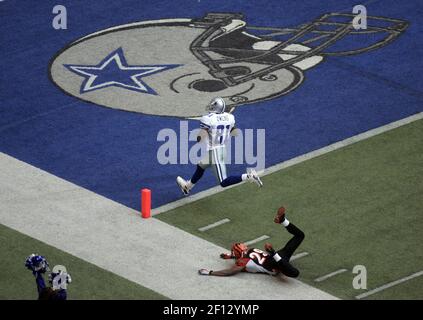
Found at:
[114, 237]
[330, 275]
[298, 256]
[256, 240]
[292, 162]
[214, 225]
[389, 285]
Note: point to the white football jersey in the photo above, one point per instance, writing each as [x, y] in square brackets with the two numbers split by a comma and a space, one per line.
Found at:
[218, 126]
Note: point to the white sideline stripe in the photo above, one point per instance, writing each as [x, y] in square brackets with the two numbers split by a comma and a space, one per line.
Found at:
[214, 225]
[256, 240]
[292, 162]
[298, 256]
[389, 285]
[105, 233]
[330, 275]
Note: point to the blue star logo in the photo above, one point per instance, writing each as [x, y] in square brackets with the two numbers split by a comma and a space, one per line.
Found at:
[113, 70]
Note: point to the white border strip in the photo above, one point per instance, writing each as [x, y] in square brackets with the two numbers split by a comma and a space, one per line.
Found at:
[256, 240]
[214, 225]
[388, 285]
[330, 275]
[298, 256]
[293, 161]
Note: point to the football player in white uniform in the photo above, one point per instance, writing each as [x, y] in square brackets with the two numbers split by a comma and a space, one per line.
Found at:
[257, 261]
[216, 127]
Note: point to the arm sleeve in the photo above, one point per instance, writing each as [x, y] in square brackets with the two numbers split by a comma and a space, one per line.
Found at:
[242, 262]
[40, 282]
[205, 122]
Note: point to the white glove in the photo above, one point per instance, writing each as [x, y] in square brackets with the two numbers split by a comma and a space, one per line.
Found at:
[204, 272]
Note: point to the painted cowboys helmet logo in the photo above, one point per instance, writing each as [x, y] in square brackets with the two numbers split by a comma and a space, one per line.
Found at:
[173, 67]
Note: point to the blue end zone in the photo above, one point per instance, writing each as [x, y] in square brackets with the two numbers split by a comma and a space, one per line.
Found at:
[113, 153]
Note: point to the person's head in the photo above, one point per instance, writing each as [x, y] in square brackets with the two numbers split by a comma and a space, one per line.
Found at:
[239, 250]
[217, 105]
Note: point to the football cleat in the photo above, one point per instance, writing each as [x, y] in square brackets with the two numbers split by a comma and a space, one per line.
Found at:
[280, 216]
[252, 176]
[183, 185]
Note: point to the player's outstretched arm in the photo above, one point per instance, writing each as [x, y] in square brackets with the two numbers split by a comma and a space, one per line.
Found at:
[202, 135]
[227, 256]
[234, 132]
[222, 273]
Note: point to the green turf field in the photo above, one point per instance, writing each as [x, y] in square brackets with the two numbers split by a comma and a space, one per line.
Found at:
[88, 281]
[360, 205]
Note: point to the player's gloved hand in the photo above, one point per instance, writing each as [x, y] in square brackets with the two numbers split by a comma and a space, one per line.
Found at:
[225, 256]
[204, 272]
[269, 248]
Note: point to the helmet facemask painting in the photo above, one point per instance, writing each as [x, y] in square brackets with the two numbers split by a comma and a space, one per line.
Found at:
[277, 48]
[182, 63]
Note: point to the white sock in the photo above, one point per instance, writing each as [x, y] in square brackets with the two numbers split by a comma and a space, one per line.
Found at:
[190, 185]
[244, 177]
[285, 223]
[277, 257]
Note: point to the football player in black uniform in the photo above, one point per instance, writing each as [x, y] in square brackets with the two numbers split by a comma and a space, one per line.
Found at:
[257, 261]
